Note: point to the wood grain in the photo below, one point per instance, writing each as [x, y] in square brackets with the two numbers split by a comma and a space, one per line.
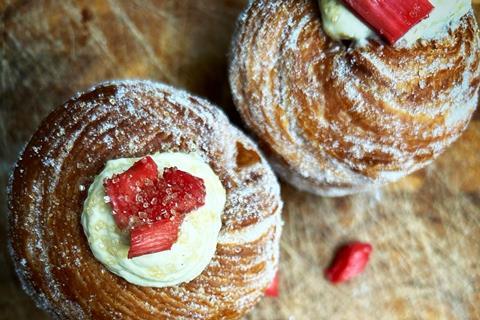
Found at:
[425, 229]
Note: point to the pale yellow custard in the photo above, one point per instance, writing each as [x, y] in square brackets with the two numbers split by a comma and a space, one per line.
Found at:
[197, 239]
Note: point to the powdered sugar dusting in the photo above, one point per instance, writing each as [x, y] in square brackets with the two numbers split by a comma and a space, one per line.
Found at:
[130, 119]
[337, 119]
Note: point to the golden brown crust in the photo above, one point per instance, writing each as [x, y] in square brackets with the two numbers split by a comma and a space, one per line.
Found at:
[128, 119]
[339, 119]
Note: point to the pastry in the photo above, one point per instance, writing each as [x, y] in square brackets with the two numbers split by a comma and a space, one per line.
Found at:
[83, 246]
[339, 110]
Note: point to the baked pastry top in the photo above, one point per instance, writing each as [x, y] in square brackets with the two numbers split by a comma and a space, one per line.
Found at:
[335, 118]
[128, 119]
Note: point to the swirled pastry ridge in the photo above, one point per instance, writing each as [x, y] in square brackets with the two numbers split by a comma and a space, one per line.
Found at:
[133, 119]
[336, 119]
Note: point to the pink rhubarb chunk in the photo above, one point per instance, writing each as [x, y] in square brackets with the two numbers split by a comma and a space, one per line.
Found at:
[130, 190]
[273, 289]
[156, 237]
[391, 18]
[152, 208]
[350, 261]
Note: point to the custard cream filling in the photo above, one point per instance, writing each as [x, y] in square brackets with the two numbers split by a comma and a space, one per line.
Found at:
[197, 239]
[341, 24]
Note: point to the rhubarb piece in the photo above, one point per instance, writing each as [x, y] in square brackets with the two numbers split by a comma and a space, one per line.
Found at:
[391, 18]
[132, 191]
[349, 262]
[185, 192]
[273, 288]
[156, 237]
[139, 196]
[177, 193]
[153, 208]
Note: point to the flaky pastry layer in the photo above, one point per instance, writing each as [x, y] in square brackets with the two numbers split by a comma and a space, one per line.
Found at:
[337, 119]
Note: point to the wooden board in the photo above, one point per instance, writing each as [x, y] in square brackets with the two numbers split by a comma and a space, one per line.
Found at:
[425, 229]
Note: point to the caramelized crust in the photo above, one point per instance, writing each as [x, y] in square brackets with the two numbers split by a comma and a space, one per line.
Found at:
[132, 119]
[337, 119]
